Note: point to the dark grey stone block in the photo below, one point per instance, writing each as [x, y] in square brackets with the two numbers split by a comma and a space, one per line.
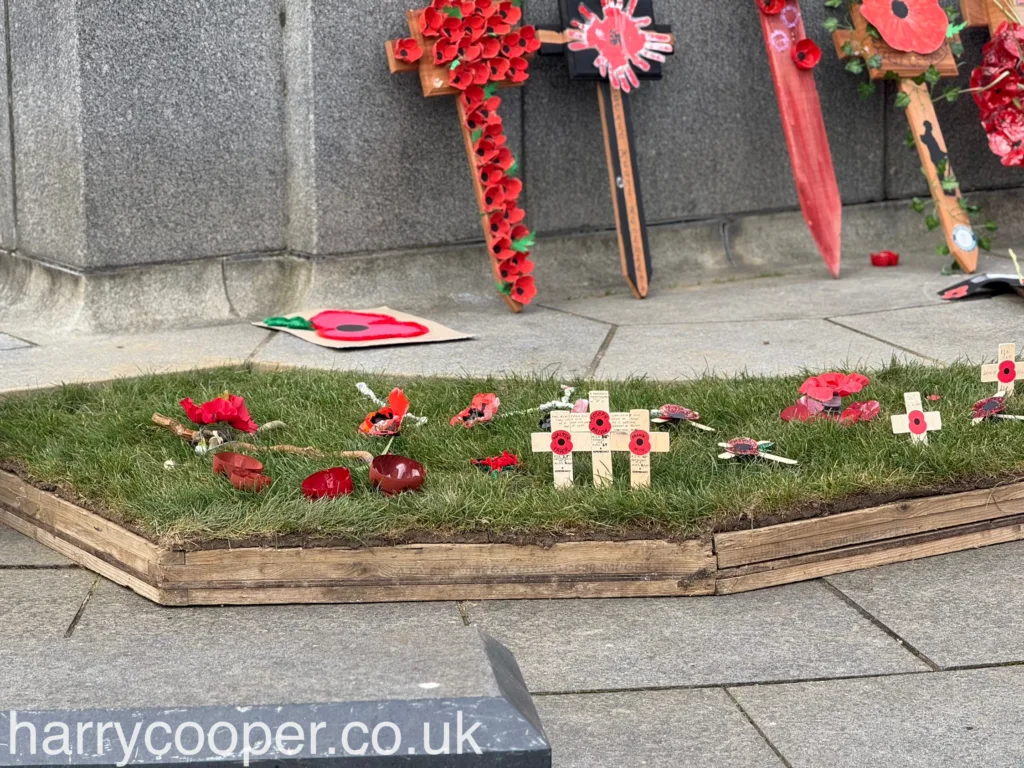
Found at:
[148, 131]
[383, 166]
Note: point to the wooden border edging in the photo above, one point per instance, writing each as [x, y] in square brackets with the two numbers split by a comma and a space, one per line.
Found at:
[732, 562]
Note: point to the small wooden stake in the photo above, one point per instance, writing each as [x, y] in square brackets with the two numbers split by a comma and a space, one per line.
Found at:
[1005, 372]
[916, 422]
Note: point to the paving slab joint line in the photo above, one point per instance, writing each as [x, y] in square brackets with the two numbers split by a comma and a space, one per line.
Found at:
[592, 369]
[260, 347]
[756, 727]
[900, 347]
[880, 625]
[81, 609]
[68, 567]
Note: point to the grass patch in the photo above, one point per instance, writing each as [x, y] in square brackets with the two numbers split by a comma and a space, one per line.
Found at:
[97, 446]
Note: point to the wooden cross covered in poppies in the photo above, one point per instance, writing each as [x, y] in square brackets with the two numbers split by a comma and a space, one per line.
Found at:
[916, 422]
[469, 50]
[912, 42]
[1005, 372]
[616, 44]
[599, 433]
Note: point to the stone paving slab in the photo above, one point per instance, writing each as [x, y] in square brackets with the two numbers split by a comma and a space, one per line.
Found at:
[100, 358]
[653, 729]
[948, 331]
[798, 631]
[539, 341]
[39, 604]
[960, 609]
[967, 718]
[20, 551]
[8, 342]
[729, 349]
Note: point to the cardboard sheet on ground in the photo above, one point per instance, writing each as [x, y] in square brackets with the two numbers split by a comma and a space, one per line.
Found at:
[356, 329]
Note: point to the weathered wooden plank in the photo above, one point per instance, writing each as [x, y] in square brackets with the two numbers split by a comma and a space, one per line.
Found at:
[873, 524]
[813, 566]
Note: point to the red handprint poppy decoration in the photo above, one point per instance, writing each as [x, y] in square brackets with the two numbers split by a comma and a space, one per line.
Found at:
[622, 41]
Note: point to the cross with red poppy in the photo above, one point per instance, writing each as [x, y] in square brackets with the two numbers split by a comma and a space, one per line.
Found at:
[916, 422]
[469, 49]
[913, 39]
[616, 44]
[1006, 372]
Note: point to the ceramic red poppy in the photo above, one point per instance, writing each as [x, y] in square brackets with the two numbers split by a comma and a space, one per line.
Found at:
[524, 289]
[863, 411]
[1007, 371]
[989, 407]
[908, 25]
[343, 325]
[771, 7]
[805, 53]
[328, 484]
[482, 409]
[408, 50]
[229, 409]
[561, 442]
[639, 442]
[497, 464]
[600, 423]
[392, 474]
[918, 424]
[885, 259]
[805, 409]
[830, 385]
[244, 472]
[387, 422]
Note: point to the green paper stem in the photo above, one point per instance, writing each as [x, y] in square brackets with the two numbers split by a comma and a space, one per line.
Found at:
[295, 323]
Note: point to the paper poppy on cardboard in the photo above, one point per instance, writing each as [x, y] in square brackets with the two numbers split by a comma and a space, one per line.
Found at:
[908, 25]
[561, 442]
[806, 54]
[342, 325]
[244, 472]
[229, 409]
[387, 422]
[482, 409]
[328, 484]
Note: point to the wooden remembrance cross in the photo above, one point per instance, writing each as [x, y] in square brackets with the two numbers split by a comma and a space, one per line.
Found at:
[931, 147]
[600, 432]
[987, 13]
[609, 42]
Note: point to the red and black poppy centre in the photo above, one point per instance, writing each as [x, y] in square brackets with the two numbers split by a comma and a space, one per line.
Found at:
[351, 328]
[900, 9]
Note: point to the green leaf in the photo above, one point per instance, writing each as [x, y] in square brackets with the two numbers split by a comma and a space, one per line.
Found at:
[490, 89]
[890, 75]
[917, 205]
[955, 29]
[950, 185]
[454, 65]
[931, 221]
[831, 24]
[985, 243]
[513, 170]
[932, 75]
[951, 269]
[991, 226]
[848, 48]
[295, 323]
[856, 66]
[951, 93]
[523, 244]
[908, 138]
[453, 11]
[505, 288]
[974, 209]
[941, 166]
[833, 3]
[957, 49]
[942, 250]
[919, 80]
[866, 90]
[902, 100]
[475, 136]
[875, 62]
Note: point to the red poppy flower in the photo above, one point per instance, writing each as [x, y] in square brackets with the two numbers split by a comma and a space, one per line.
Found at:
[498, 225]
[230, 409]
[342, 325]
[328, 484]
[517, 70]
[482, 409]
[600, 423]
[468, 49]
[529, 36]
[987, 408]
[491, 48]
[829, 385]
[475, 121]
[472, 98]
[772, 7]
[934, 398]
[453, 29]
[504, 158]
[481, 72]
[956, 293]
[494, 196]
[806, 54]
[512, 189]
[244, 472]
[496, 133]
[407, 49]
[525, 265]
[885, 259]
[1007, 372]
[486, 7]
[513, 45]
[743, 446]
[485, 151]
[444, 52]
[865, 411]
[524, 289]
[509, 12]
[431, 20]
[497, 464]
[497, 27]
[499, 69]
[461, 77]
[561, 443]
[908, 25]
[918, 425]
[492, 175]
[475, 26]
[514, 213]
[501, 249]
[639, 442]
[509, 270]
[805, 409]
[387, 422]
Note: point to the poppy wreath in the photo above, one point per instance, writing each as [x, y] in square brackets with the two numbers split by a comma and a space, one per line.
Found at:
[479, 45]
[1000, 93]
